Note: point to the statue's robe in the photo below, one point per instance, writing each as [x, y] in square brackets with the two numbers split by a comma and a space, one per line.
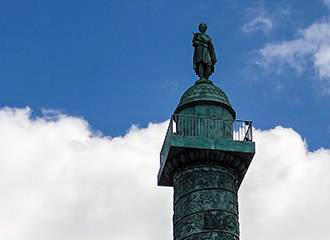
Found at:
[204, 51]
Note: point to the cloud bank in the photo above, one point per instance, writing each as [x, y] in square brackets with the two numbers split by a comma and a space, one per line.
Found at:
[310, 48]
[59, 180]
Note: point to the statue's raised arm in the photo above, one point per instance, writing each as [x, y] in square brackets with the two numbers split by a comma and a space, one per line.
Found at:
[204, 54]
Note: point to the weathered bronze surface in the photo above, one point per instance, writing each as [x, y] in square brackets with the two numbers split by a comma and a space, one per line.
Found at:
[204, 54]
[202, 158]
[205, 203]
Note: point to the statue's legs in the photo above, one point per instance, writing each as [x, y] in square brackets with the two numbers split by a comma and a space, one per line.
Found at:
[204, 71]
[208, 71]
[201, 70]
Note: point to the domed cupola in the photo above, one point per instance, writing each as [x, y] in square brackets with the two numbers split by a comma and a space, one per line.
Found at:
[203, 93]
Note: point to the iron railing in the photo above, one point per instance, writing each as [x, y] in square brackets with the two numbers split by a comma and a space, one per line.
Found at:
[198, 126]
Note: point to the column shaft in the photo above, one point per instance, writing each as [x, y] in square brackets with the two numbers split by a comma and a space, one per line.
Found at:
[205, 203]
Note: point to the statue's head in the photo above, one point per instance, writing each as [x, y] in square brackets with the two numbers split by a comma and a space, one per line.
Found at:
[202, 27]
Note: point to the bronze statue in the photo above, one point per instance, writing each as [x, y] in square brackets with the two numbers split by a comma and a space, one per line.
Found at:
[204, 54]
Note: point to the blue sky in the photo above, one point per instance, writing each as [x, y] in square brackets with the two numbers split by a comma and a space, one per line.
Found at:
[108, 65]
[118, 63]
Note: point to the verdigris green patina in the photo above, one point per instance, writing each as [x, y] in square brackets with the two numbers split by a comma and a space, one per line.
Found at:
[204, 92]
[205, 203]
[205, 156]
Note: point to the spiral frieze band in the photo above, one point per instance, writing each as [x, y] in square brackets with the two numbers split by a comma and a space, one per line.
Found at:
[205, 204]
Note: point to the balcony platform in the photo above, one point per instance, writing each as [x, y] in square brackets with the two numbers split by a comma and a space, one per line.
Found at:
[181, 150]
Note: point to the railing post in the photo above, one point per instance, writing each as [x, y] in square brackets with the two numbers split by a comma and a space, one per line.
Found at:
[171, 125]
[251, 130]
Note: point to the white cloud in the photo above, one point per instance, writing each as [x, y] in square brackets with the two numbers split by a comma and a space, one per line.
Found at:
[327, 3]
[259, 23]
[262, 20]
[286, 191]
[312, 45]
[60, 181]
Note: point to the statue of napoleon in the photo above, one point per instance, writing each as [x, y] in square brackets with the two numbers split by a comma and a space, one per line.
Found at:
[204, 54]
